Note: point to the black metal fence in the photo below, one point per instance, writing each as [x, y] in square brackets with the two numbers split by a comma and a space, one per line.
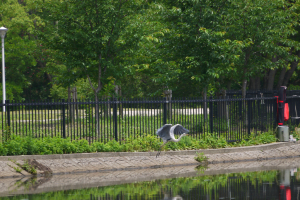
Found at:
[259, 93]
[119, 119]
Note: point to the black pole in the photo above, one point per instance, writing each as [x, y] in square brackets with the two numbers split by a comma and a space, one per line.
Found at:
[249, 116]
[165, 111]
[63, 118]
[240, 109]
[115, 118]
[8, 120]
[211, 115]
[7, 112]
[275, 110]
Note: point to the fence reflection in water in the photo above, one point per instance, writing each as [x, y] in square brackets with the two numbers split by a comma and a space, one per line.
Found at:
[262, 185]
[259, 185]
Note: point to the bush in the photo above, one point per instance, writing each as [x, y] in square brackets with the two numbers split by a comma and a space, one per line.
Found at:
[15, 146]
[28, 145]
[264, 138]
[3, 150]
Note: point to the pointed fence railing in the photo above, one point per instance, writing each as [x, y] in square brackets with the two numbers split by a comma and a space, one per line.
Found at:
[120, 119]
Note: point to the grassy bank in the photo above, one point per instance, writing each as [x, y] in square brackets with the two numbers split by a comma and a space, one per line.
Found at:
[17, 145]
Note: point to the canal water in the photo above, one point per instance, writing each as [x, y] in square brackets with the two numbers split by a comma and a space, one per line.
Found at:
[282, 184]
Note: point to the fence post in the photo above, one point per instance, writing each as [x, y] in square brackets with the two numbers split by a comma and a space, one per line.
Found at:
[165, 112]
[7, 112]
[275, 112]
[240, 109]
[249, 116]
[205, 104]
[7, 136]
[211, 115]
[115, 118]
[63, 118]
[227, 114]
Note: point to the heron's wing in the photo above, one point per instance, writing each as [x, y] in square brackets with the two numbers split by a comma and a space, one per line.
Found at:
[164, 132]
[178, 129]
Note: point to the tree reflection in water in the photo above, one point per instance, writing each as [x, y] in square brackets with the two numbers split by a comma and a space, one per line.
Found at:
[259, 185]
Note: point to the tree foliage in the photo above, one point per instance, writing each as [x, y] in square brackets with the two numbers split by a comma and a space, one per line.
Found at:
[149, 46]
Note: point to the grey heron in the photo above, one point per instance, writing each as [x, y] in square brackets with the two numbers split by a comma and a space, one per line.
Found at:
[166, 133]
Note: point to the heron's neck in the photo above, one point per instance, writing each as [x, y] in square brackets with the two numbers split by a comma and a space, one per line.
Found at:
[177, 140]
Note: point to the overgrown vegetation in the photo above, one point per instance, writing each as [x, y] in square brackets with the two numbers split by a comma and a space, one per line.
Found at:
[200, 157]
[25, 166]
[18, 145]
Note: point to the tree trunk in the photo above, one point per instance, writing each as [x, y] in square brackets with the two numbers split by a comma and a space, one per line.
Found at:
[168, 95]
[96, 91]
[281, 77]
[116, 90]
[271, 77]
[257, 81]
[252, 83]
[43, 65]
[69, 93]
[244, 96]
[49, 77]
[74, 106]
[244, 87]
[229, 85]
[290, 72]
[119, 94]
[266, 79]
[75, 100]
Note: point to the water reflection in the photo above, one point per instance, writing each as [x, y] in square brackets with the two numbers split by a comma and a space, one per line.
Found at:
[282, 184]
[285, 184]
[167, 197]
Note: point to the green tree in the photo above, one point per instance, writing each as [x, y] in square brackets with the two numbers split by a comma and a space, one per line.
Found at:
[20, 45]
[266, 26]
[93, 39]
[214, 43]
[193, 51]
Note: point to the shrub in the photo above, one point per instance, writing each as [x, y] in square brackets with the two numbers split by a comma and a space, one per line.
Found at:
[15, 146]
[98, 146]
[3, 150]
[29, 146]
